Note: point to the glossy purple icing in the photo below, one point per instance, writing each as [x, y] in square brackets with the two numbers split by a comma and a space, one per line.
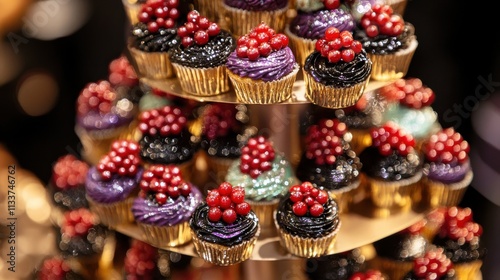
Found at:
[273, 67]
[446, 173]
[114, 190]
[97, 121]
[171, 213]
[257, 5]
[313, 25]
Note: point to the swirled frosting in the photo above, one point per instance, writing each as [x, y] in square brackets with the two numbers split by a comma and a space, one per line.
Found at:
[389, 168]
[174, 212]
[446, 173]
[401, 246]
[161, 41]
[243, 229]
[417, 122]
[212, 54]
[257, 5]
[269, 185]
[307, 226]
[273, 67]
[118, 188]
[167, 150]
[383, 44]
[313, 25]
[94, 120]
[341, 74]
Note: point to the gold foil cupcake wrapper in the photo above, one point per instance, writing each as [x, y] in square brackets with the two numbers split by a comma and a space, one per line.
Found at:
[394, 269]
[389, 194]
[208, 8]
[239, 22]
[218, 167]
[438, 194]
[331, 97]
[264, 210]
[344, 196]
[113, 214]
[301, 47]
[132, 10]
[360, 140]
[153, 65]
[203, 81]
[468, 270]
[166, 236]
[308, 247]
[392, 66]
[223, 255]
[251, 91]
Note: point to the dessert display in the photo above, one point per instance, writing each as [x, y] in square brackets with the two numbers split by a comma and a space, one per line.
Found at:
[447, 170]
[389, 46]
[338, 70]
[56, 268]
[340, 266]
[164, 205]
[329, 163]
[224, 227]
[264, 174]
[307, 220]
[262, 68]
[112, 184]
[433, 265]
[200, 59]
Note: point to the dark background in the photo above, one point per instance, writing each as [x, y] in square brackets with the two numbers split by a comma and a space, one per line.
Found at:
[449, 60]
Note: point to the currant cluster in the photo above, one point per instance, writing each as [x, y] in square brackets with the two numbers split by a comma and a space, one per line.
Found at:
[331, 4]
[338, 45]
[415, 228]
[97, 97]
[168, 120]
[197, 30]
[159, 14]
[140, 260]
[308, 199]
[69, 172]
[219, 119]
[370, 274]
[77, 222]
[122, 159]
[433, 265]
[459, 225]
[53, 268]
[389, 138]
[360, 105]
[226, 203]
[261, 41]
[122, 73]
[381, 20]
[324, 141]
[256, 156]
[163, 182]
[410, 92]
[447, 146]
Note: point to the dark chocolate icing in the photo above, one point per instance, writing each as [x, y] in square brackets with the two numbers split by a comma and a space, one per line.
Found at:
[401, 246]
[90, 244]
[389, 168]
[337, 266]
[161, 41]
[383, 44]
[228, 146]
[461, 253]
[168, 150]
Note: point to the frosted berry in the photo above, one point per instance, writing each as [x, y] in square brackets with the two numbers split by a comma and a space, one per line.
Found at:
[218, 120]
[97, 97]
[324, 141]
[69, 172]
[140, 260]
[122, 159]
[446, 146]
[370, 274]
[410, 92]
[256, 156]
[308, 199]
[338, 46]
[433, 265]
[226, 203]
[159, 14]
[381, 20]
[459, 225]
[122, 73]
[197, 30]
[77, 222]
[389, 139]
[168, 120]
[163, 182]
[261, 41]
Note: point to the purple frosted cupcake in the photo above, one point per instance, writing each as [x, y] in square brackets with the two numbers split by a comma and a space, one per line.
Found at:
[165, 205]
[112, 184]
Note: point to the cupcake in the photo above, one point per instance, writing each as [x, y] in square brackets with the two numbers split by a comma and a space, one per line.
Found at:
[124, 80]
[262, 69]
[392, 168]
[67, 183]
[310, 23]
[56, 268]
[224, 228]
[164, 205]
[239, 17]
[153, 36]
[141, 262]
[396, 253]
[340, 266]
[389, 46]
[447, 169]
[200, 60]
[224, 132]
[338, 70]
[308, 222]
[264, 174]
[166, 139]
[433, 265]
[112, 184]
[329, 163]
[101, 117]
[460, 237]
[369, 274]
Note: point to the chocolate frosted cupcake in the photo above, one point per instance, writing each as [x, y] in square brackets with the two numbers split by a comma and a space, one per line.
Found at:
[336, 73]
[308, 222]
[164, 206]
[224, 228]
[433, 265]
[329, 163]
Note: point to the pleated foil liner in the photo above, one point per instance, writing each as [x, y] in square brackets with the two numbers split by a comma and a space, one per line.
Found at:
[223, 255]
[394, 269]
[166, 236]
[392, 66]
[301, 47]
[251, 91]
[388, 194]
[113, 214]
[468, 270]
[331, 97]
[308, 247]
[360, 140]
[208, 8]
[132, 9]
[344, 196]
[153, 65]
[264, 211]
[202, 81]
[218, 167]
[438, 194]
[239, 22]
